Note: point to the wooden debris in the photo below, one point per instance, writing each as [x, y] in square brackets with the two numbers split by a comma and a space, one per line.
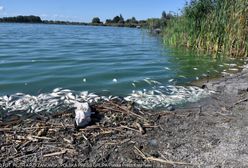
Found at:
[150, 158]
[141, 129]
[43, 132]
[55, 153]
[38, 136]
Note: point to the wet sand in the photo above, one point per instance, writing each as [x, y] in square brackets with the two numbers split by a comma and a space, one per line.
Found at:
[210, 133]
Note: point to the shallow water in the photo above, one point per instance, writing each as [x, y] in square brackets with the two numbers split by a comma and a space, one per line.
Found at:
[36, 58]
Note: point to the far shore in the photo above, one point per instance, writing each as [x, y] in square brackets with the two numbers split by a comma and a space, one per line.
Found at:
[37, 20]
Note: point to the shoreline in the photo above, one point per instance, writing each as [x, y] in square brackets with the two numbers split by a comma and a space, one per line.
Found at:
[211, 132]
[78, 24]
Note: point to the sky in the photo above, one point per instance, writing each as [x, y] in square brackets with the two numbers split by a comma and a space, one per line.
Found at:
[85, 10]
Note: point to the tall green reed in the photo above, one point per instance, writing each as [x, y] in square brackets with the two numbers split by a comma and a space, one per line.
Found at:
[212, 26]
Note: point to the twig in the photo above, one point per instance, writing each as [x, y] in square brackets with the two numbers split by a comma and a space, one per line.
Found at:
[159, 160]
[243, 100]
[141, 129]
[238, 102]
[123, 126]
[28, 155]
[5, 129]
[56, 153]
[42, 132]
[166, 161]
[67, 140]
[50, 126]
[87, 140]
[37, 137]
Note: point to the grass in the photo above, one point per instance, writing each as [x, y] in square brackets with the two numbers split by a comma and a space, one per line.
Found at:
[212, 26]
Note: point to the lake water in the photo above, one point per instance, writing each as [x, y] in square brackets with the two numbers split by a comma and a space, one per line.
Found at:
[36, 59]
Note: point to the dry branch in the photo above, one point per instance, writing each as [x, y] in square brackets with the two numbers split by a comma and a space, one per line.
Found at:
[150, 158]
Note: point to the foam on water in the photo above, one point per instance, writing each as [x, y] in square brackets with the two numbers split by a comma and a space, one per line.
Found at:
[61, 99]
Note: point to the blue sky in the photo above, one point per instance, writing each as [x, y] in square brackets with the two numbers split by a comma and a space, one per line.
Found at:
[85, 10]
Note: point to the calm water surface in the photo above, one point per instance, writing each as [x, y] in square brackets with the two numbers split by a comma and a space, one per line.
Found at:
[37, 58]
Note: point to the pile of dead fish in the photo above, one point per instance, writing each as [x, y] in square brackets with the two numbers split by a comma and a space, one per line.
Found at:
[167, 96]
[61, 99]
[50, 102]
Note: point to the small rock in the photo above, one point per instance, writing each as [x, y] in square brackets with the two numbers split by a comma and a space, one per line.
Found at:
[171, 108]
[153, 142]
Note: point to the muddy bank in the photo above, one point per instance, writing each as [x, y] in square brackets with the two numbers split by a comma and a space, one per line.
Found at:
[209, 133]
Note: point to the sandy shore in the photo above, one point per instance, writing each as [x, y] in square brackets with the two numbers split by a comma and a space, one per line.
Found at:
[210, 133]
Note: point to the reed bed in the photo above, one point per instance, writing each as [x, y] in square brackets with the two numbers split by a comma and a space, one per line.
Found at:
[219, 26]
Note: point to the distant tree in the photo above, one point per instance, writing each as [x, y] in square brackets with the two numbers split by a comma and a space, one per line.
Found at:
[121, 20]
[22, 19]
[169, 16]
[164, 16]
[133, 19]
[132, 22]
[96, 20]
[108, 21]
[116, 19]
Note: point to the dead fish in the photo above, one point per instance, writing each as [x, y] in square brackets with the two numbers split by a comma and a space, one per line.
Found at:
[54, 94]
[233, 69]
[225, 73]
[195, 69]
[62, 98]
[171, 80]
[70, 96]
[85, 93]
[92, 95]
[65, 91]
[57, 89]
[147, 81]
[19, 94]
[232, 65]
[181, 76]
[156, 82]
[105, 98]
[6, 98]
[216, 71]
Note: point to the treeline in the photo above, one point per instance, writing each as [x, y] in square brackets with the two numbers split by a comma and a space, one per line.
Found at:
[63, 22]
[36, 19]
[152, 23]
[119, 21]
[116, 21]
[22, 19]
[212, 26]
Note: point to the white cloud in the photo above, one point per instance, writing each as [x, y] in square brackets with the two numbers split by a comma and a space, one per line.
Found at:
[1, 8]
